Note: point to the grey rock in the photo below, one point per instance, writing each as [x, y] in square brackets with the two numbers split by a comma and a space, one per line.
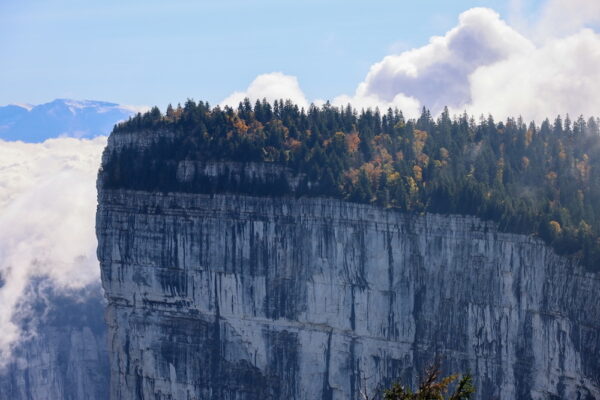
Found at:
[238, 297]
[65, 357]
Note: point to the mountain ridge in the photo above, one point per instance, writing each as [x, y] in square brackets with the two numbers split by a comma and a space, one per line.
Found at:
[61, 117]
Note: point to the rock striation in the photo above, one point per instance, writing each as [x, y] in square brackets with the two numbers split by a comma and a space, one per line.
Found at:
[229, 296]
[66, 355]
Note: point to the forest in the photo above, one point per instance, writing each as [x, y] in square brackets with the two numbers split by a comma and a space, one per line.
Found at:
[532, 179]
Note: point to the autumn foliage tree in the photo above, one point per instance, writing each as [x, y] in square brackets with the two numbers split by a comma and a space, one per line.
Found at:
[431, 387]
[434, 387]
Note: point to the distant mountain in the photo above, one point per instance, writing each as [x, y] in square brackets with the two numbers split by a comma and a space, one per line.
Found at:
[61, 117]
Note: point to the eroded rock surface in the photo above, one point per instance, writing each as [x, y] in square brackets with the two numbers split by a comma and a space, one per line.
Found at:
[65, 357]
[239, 297]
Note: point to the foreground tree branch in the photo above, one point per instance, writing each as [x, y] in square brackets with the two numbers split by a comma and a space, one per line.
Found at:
[434, 388]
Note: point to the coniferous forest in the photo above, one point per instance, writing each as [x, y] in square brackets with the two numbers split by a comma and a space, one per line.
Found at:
[532, 179]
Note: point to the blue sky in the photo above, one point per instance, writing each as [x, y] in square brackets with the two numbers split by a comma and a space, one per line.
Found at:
[155, 52]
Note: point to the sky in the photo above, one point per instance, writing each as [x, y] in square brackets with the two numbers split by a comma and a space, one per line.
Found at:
[155, 52]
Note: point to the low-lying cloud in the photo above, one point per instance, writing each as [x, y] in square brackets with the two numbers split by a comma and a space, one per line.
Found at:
[481, 66]
[47, 215]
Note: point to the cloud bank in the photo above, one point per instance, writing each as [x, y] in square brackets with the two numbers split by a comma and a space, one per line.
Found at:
[47, 215]
[481, 66]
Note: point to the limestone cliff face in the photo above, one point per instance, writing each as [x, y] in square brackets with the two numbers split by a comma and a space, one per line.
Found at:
[66, 358]
[239, 297]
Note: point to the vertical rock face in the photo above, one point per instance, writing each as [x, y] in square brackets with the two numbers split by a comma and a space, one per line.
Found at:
[67, 356]
[239, 297]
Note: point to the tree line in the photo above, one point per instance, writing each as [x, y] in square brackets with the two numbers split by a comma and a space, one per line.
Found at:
[528, 178]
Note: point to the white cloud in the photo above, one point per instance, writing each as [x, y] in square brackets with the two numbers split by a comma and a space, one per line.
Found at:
[434, 75]
[559, 77]
[361, 100]
[565, 17]
[47, 208]
[273, 86]
[482, 66]
[134, 109]
[437, 74]
[485, 66]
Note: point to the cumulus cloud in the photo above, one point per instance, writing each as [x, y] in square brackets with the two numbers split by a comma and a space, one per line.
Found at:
[483, 65]
[565, 17]
[437, 74]
[47, 207]
[559, 77]
[272, 86]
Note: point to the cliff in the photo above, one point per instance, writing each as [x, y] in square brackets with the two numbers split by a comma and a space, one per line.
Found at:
[66, 355]
[225, 296]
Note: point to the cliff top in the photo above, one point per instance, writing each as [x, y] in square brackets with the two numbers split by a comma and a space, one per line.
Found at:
[529, 179]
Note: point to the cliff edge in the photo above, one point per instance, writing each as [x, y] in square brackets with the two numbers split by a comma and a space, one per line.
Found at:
[231, 296]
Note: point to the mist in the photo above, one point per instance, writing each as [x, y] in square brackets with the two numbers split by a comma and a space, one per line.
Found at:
[47, 217]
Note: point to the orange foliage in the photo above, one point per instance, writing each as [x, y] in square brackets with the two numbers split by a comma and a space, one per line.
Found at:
[293, 144]
[352, 141]
[382, 157]
[352, 175]
[382, 140]
[419, 142]
[412, 185]
[393, 177]
[373, 171]
[240, 126]
[555, 227]
[418, 173]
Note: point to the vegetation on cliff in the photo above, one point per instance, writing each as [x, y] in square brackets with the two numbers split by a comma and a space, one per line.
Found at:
[529, 179]
[433, 387]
